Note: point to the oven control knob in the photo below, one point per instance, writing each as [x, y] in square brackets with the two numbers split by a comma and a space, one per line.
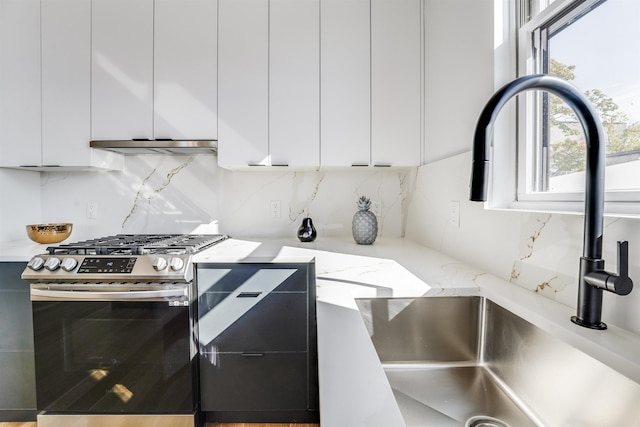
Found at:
[36, 264]
[159, 263]
[69, 264]
[52, 264]
[177, 264]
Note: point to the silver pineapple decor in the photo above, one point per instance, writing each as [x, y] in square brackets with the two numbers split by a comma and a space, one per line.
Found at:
[365, 224]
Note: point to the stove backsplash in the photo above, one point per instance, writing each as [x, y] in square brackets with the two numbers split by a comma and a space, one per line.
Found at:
[165, 194]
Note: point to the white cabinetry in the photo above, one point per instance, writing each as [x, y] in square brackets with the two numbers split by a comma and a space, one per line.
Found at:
[243, 73]
[45, 86]
[20, 94]
[345, 83]
[66, 86]
[185, 69]
[269, 93]
[309, 83]
[153, 69]
[395, 82]
[122, 69]
[370, 81]
[294, 92]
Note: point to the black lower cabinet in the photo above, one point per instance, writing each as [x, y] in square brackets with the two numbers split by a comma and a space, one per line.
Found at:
[266, 382]
[17, 371]
[257, 342]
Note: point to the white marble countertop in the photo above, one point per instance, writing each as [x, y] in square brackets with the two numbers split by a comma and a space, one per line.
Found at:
[23, 250]
[20, 250]
[353, 387]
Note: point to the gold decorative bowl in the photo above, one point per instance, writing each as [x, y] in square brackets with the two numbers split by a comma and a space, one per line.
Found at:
[49, 233]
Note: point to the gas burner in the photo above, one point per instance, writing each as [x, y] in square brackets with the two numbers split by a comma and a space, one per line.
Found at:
[140, 244]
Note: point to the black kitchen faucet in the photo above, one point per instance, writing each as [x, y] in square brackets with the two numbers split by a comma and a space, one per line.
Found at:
[593, 278]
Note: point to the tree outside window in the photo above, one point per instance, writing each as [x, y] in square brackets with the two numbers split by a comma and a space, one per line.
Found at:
[567, 143]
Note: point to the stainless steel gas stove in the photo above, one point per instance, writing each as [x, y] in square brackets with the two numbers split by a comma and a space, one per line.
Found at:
[123, 258]
[114, 331]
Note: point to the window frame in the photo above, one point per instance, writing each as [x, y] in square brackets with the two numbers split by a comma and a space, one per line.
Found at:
[528, 21]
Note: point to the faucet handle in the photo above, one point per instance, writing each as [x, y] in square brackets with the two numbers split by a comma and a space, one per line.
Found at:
[620, 283]
[623, 258]
[623, 284]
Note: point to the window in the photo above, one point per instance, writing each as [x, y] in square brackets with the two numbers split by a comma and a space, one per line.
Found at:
[594, 45]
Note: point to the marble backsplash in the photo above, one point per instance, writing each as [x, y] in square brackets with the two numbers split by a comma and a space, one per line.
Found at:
[537, 251]
[164, 194]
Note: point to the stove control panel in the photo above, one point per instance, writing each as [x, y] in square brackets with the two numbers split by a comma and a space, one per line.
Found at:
[110, 265]
[107, 268]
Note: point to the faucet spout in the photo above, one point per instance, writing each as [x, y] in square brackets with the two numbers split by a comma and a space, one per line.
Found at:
[589, 309]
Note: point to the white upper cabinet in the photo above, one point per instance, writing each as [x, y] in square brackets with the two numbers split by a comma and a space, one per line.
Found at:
[185, 69]
[122, 69]
[66, 87]
[309, 83]
[294, 91]
[345, 83]
[154, 69]
[243, 73]
[46, 89]
[20, 120]
[66, 82]
[269, 94]
[371, 82]
[395, 82]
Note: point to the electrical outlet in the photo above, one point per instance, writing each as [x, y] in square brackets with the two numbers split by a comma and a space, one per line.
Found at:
[454, 213]
[276, 209]
[92, 210]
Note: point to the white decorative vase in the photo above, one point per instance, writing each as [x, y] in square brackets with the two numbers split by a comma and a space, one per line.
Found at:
[365, 224]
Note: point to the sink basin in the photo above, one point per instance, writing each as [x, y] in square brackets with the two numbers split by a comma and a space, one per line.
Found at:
[466, 361]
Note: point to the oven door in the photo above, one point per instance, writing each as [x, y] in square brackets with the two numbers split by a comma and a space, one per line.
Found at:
[124, 352]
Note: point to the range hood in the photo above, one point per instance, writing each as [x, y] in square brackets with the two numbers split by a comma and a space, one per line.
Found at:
[158, 146]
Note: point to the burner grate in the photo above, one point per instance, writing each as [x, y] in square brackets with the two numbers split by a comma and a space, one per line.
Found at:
[140, 244]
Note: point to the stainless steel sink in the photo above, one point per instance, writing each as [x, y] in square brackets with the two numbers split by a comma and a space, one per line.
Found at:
[466, 361]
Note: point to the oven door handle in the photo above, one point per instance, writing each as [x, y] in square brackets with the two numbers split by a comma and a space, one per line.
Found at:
[60, 295]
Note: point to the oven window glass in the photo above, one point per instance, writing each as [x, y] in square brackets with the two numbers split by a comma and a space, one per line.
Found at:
[113, 357]
[104, 343]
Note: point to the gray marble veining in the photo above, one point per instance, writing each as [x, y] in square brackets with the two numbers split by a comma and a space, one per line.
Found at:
[145, 194]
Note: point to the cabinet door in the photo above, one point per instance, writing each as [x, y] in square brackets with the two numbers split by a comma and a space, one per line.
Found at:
[17, 370]
[252, 277]
[20, 120]
[122, 69]
[294, 82]
[66, 82]
[185, 69]
[253, 322]
[252, 307]
[254, 382]
[395, 82]
[243, 83]
[345, 82]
